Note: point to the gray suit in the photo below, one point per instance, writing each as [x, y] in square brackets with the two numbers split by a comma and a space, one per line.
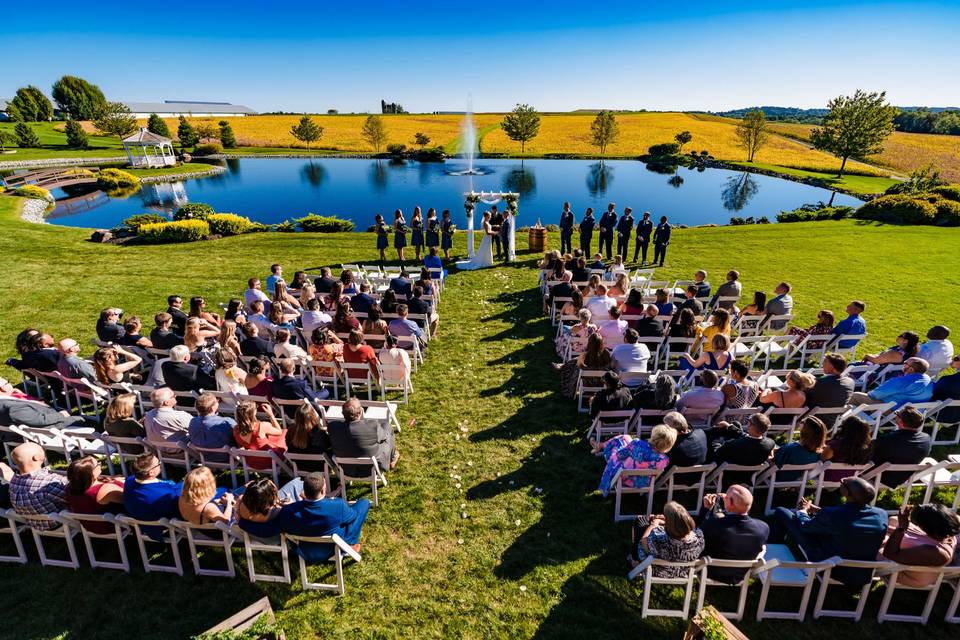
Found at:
[32, 414]
[728, 290]
[830, 391]
[75, 367]
[362, 439]
[779, 306]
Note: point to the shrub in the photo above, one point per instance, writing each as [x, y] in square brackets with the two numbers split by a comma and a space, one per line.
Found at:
[33, 191]
[664, 149]
[324, 224]
[899, 209]
[133, 223]
[228, 224]
[208, 149]
[194, 211]
[117, 179]
[287, 226]
[948, 191]
[736, 221]
[948, 212]
[396, 148]
[257, 227]
[432, 153]
[177, 231]
[815, 212]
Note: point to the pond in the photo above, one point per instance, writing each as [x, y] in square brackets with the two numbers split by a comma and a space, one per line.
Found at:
[274, 189]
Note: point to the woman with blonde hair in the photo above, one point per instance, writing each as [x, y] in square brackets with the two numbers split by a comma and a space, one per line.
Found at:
[230, 377]
[228, 337]
[719, 324]
[110, 370]
[256, 435]
[621, 286]
[718, 358]
[626, 453]
[119, 421]
[200, 500]
[793, 396]
[307, 293]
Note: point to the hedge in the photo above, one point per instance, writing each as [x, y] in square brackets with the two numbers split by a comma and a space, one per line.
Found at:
[194, 211]
[177, 231]
[900, 209]
[324, 224]
[948, 191]
[33, 191]
[133, 223]
[228, 224]
[664, 149]
[808, 213]
[117, 179]
[212, 148]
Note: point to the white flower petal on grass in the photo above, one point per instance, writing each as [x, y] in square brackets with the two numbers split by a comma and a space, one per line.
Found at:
[523, 588]
[517, 522]
[460, 541]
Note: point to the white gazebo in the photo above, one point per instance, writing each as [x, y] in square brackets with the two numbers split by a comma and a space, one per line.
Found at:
[147, 149]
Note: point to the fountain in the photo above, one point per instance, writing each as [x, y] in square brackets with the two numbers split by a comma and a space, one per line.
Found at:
[469, 146]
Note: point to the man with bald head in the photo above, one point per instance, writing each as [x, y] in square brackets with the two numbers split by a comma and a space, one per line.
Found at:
[70, 364]
[34, 490]
[730, 533]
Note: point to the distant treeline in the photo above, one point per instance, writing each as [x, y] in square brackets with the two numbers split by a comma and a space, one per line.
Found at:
[923, 120]
[779, 114]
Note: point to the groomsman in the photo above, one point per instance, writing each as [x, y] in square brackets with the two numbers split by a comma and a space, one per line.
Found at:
[608, 222]
[496, 219]
[661, 238]
[644, 231]
[586, 231]
[624, 229]
[566, 229]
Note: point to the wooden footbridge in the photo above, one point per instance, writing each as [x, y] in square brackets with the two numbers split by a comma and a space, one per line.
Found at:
[52, 178]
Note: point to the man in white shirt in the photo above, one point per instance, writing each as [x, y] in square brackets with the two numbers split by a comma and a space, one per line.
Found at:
[937, 350]
[600, 304]
[613, 328]
[313, 318]
[253, 293]
[164, 423]
[631, 357]
[286, 349]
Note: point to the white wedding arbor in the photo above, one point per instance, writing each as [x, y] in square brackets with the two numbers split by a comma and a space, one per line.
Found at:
[471, 198]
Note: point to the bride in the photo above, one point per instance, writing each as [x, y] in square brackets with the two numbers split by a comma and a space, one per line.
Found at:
[484, 255]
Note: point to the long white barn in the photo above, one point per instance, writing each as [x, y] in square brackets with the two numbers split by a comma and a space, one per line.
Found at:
[198, 109]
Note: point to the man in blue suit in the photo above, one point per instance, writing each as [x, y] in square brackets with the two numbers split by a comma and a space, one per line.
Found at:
[586, 231]
[852, 530]
[624, 231]
[566, 229]
[644, 233]
[661, 238]
[730, 533]
[287, 387]
[401, 285]
[316, 515]
[608, 222]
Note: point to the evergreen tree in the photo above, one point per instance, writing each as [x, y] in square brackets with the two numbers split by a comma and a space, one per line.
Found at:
[374, 132]
[306, 130]
[155, 124]
[31, 105]
[521, 125]
[227, 139]
[604, 130]
[186, 134]
[116, 120]
[78, 98]
[26, 137]
[6, 140]
[76, 136]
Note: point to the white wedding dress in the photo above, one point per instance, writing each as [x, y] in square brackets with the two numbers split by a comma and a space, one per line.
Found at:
[484, 256]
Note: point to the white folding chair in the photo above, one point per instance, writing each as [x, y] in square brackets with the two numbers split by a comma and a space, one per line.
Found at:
[932, 589]
[827, 580]
[62, 531]
[395, 377]
[917, 475]
[321, 372]
[260, 462]
[784, 420]
[167, 536]
[688, 572]
[589, 383]
[644, 420]
[832, 485]
[946, 416]
[341, 551]
[621, 489]
[743, 586]
[374, 478]
[12, 528]
[609, 424]
[797, 477]
[358, 377]
[846, 345]
[251, 544]
[684, 479]
[124, 449]
[118, 536]
[743, 474]
[781, 569]
[207, 536]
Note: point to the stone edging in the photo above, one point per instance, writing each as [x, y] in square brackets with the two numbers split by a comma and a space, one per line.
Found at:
[34, 211]
[176, 177]
[58, 162]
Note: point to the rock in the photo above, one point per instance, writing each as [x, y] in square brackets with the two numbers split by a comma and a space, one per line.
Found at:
[101, 235]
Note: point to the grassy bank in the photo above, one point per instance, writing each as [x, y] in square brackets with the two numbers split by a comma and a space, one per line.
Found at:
[848, 182]
[488, 411]
[183, 169]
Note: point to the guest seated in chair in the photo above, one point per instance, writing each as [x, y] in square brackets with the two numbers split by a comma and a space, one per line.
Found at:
[923, 535]
[35, 490]
[358, 437]
[730, 533]
[673, 536]
[750, 447]
[913, 386]
[317, 515]
[147, 497]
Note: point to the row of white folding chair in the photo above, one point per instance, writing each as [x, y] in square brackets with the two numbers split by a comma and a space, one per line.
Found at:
[171, 532]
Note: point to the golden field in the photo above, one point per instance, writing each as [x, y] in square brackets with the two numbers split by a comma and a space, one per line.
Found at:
[903, 152]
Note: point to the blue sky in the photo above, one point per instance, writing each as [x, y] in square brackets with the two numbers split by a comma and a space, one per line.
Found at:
[429, 56]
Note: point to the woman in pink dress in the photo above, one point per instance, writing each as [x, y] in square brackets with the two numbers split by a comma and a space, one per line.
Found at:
[255, 435]
[922, 536]
[626, 453]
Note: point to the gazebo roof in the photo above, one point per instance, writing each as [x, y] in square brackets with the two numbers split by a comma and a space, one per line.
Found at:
[144, 137]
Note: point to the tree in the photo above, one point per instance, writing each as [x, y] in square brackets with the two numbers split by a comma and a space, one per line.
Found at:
[604, 130]
[186, 134]
[31, 105]
[752, 132]
[421, 139]
[116, 120]
[306, 130]
[206, 130]
[682, 138]
[855, 126]
[374, 132]
[6, 140]
[521, 125]
[26, 137]
[78, 98]
[332, 112]
[155, 124]
[76, 136]
[227, 139]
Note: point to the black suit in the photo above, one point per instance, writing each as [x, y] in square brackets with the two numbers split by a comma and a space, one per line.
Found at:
[495, 221]
[505, 237]
[45, 360]
[566, 232]
[649, 327]
[741, 450]
[560, 290]
[608, 222]
[624, 229]
[362, 302]
[362, 439]
[402, 287]
[690, 449]
[586, 234]
[644, 232]
[179, 323]
[290, 388]
[183, 376]
[109, 332]
[661, 238]
[419, 307]
[903, 446]
[732, 537]
[256, 346]
[324, 284]
[830, 391]
[164, 339]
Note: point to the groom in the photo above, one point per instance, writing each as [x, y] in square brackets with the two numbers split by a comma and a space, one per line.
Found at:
[496, 220]
[504, 236]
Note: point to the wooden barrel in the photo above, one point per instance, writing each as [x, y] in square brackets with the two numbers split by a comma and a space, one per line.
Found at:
[537, 240]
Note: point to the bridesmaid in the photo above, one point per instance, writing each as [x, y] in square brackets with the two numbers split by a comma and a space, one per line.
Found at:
[382, 240]
[433, 229]
[447, 229]
[416, 233]
[399, 233]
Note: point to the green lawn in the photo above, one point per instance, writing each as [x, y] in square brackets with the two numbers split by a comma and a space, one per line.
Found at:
[496, 458]
[856, 184]
[186, 167]
[55, 144]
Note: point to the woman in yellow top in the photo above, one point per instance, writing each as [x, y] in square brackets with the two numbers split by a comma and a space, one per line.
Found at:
[719, 325]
